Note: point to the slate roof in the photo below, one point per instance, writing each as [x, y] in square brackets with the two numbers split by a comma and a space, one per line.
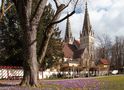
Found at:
[71, 51]
[78, 53]
[104, 61]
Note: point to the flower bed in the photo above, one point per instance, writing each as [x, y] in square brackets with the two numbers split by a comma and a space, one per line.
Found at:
[75, 83]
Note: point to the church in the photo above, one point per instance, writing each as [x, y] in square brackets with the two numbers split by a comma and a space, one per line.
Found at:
[79, 54]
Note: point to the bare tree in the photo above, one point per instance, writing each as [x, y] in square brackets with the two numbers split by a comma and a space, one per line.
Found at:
[29, 21]
[117, 60]
[105, 44]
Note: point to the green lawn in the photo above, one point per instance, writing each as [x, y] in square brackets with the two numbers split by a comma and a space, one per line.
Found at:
[111, 83]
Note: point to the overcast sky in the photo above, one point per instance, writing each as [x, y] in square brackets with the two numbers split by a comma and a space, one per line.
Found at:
[106, 16]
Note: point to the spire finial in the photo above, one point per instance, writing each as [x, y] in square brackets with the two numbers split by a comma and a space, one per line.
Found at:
[86, 5]
[87, 25]
[68, 33]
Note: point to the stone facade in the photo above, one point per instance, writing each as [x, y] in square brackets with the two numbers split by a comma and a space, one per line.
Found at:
[82, 51]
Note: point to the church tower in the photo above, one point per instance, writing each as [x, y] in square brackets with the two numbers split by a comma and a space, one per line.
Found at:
[68, 34]
[87, 35]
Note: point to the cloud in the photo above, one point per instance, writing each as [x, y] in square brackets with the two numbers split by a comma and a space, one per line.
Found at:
[106, 16]
[111, 20]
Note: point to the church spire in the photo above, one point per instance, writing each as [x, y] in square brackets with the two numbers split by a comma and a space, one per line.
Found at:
[86, 26]
[68, 33]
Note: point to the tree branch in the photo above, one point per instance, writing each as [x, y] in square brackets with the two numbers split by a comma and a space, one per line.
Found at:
[2, 7]
[56, 3]
[58, 12]
[3, 10]
[28, 8]
[62, 7]
[15, 2]
[75, 4]
[10, 5]
[38, 12]
[63, 18]
[47, 35]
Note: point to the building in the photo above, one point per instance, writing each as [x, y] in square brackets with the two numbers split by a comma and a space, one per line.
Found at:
[79, 55]
[103, 66]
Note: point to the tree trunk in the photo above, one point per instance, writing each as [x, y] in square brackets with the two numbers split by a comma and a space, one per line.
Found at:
[31, 68]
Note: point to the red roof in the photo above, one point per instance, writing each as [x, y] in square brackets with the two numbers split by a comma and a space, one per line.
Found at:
[10, 67]
[68, 51]
[104, 61]
[77, 43]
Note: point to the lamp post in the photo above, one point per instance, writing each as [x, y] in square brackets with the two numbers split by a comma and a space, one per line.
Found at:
[123, 70]
[73, 65]
[73, 70]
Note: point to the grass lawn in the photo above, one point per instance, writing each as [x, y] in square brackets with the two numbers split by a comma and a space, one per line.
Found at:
[111, 82]
[95, 83]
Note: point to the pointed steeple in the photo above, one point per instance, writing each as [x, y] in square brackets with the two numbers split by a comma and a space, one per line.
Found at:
[68, 33]
[86, 25]
[87, 35]
[80, 33]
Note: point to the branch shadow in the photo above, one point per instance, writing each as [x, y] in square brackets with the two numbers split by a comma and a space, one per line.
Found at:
[8, 85]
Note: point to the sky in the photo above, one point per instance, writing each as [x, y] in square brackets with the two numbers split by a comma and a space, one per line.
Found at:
[106, 17]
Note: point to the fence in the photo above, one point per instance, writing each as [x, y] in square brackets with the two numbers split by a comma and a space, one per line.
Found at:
[15, 72]
[11, 72]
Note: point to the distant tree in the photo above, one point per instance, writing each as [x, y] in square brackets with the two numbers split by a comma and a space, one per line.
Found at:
[117, 61]
[104, 48]
[54, 50]
[10, 39]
